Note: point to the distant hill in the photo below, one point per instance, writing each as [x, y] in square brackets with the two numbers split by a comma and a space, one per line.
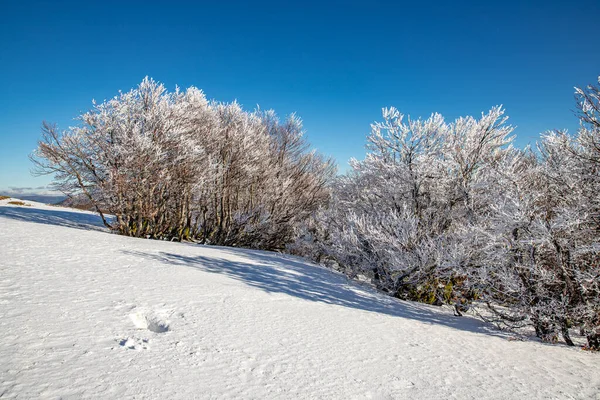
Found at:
[40, 198]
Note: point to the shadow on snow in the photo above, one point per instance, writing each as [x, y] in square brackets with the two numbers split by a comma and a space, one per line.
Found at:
[71, 219]
[273, 273]
[276, 273]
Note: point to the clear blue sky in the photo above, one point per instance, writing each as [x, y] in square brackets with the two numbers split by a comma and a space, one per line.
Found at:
[335, 64]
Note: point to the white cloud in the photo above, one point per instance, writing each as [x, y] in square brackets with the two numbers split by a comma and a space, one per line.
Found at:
[15, 191]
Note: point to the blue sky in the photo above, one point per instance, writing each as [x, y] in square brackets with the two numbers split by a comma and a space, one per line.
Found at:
[334, 63]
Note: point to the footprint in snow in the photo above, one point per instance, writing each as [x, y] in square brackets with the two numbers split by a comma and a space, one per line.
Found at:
[134, 343]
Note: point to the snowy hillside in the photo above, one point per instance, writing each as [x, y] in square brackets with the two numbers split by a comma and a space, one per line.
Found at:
[88, 314]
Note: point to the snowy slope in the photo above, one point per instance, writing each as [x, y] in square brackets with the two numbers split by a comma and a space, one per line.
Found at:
[88, 314]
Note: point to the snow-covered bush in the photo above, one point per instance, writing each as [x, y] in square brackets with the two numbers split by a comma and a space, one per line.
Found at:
[407, 215]
[452, 213]
[543, 252]
[176, 166]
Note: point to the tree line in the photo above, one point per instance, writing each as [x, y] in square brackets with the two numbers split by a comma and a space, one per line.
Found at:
[176, 166]
[453, 213]
[438, 212]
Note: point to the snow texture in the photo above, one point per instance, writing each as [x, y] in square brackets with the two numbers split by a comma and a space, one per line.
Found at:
[87, 314]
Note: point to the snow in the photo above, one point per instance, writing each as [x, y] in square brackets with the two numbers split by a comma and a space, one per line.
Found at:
[88, 314]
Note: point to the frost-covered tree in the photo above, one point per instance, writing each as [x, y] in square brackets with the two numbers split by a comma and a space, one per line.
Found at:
[543, 258]
[177, 166]
[406, 215]
[453, 213]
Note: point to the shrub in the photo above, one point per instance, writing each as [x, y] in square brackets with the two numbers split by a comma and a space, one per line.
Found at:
[177, 166]
[19, 203]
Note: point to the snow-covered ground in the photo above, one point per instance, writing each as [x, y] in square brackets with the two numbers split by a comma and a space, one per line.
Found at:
[88, 314]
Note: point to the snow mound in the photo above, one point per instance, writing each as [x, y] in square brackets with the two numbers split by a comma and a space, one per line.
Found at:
[151, 322]
[86, 314]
